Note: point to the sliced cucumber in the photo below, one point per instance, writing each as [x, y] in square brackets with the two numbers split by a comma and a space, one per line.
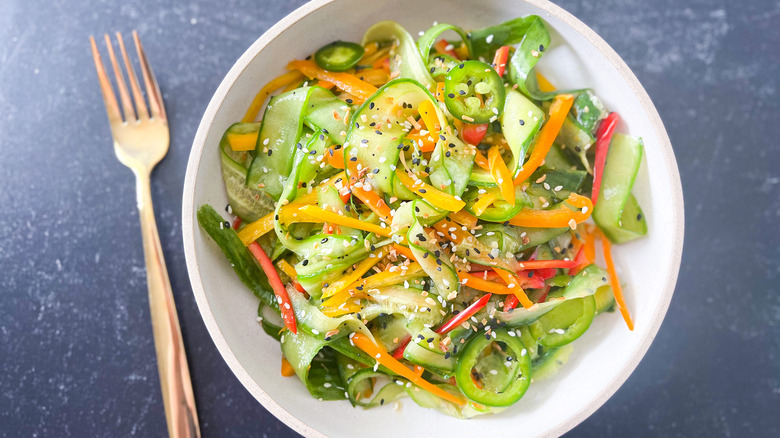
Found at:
[552, 361]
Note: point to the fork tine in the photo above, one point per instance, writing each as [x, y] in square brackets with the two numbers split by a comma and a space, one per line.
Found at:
[124, 95]
[112, 108]
[152, 87]
[138, 97]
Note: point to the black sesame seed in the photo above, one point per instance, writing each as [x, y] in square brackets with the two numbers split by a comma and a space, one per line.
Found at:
[371, 105]
[451, 95]
[270, 151]
[305, 262]
[227, 224]
[522, 122]
[353, 159]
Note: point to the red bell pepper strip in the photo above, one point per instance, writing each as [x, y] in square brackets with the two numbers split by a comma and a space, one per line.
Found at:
[499, 61]
[441, 47]
[398, 353]
[236, 223]
[285, 306]
[467, 313]
[603, 137]
[510, 303]
[473, 134]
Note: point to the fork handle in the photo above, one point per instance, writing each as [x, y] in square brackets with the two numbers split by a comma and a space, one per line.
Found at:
[178, 398]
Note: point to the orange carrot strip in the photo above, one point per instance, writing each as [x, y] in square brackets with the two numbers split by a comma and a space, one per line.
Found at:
[262, 95]
[383, 358]
[617, 290]
[544, 140]
[360, 89]
[513, 283]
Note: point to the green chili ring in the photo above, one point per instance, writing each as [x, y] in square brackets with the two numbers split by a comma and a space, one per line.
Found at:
[565, 323]
[518, 380]
[339, 56]
[474, 92]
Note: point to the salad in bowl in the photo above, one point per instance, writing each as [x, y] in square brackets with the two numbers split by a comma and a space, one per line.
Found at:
[427, 218]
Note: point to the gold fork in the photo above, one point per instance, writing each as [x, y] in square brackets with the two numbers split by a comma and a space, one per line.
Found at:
[140, 142]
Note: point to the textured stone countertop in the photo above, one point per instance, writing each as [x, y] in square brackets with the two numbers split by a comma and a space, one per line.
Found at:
[76, 349]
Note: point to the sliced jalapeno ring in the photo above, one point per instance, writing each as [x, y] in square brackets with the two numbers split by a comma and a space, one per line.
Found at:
[339, 56]
[474, 92]
[565, 323]
[505, 372]
[500, 210]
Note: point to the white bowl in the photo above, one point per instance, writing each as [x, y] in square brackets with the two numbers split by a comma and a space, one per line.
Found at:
[603, 358]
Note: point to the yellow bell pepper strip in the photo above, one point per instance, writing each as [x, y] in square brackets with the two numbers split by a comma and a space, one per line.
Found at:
[544, 140]
[544, 85]
[287, 369]
[368, 50]
[285, 305]
[463, 217]
[242, 142]
[617, 290]
[360, 89]
[557, 218]
[484, 202]
[334, 218]
[335, 312]
[501, 176]
[513, 283]
[437, 198]
[341, 298]
[262, 95]
[254, 230]
[383, 358]
[429, 117]
[354, 276]
[388, 278]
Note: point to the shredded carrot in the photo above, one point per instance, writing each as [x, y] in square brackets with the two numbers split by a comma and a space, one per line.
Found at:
[262, 95]
[513, 283]
[360, 89]
[334, 218]
[383, 358]
[404, 251]
[426, 142]
[374, 202]
[287, 369]
[325, 84]
[419, 370]
[463, 217]
[560, 217]
[441, 48]
[501, 175]
[335, 157]
[435, 197]
[481, 161]
[544, 140]
[617, 290]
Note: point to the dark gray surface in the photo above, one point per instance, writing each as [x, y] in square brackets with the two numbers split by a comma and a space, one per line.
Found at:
[76, 346]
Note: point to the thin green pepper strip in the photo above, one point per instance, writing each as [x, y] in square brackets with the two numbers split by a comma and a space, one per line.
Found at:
[518, 374]
[462, 85]
[617, 212]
